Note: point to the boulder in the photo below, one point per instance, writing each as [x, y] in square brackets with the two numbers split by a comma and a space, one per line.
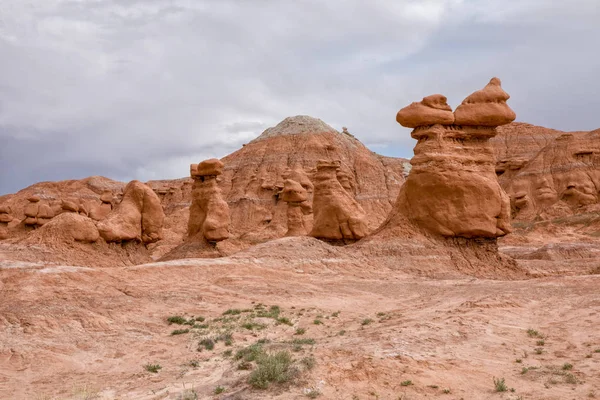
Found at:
[139, 216]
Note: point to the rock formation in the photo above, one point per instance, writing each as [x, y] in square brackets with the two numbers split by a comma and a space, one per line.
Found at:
[31, 211]
[296, 197]
[337, 215]
[429, 111]
[452, 189]
[209, 213]
[69, 205]
[254, 176]
[139, 216]
[99, 211]
[70, 227]
[5, 216]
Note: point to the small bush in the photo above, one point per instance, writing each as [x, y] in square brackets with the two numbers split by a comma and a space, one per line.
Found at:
[318, 322]
[253, 325]
[567, 367]
[284, 320]
[227, 353]
[300, 331]
[366, 321]
[207, 343]
[219, 389]
[188, 394]
[406, 383]
[500, 385]
[200, 326]
[194, 363]
[312, 393]
[538, 350]
[446, 391]
[540, 342]
[154, 368]
[272, 313]
[518, 361]
[533, 333]
[250, 353]
[176, 319]
[335, 314]
[179, 332]
[341, 333]
[570, 378]
[245, 366]
[200, 319]
[233, 311]
[272, 368]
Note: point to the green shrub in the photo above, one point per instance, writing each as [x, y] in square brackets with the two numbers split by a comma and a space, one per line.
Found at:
[176, 319]
[179, 332]
[272, 368]
[154, 368]
[500, 385]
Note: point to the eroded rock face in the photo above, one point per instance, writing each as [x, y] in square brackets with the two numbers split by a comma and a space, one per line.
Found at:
[452, 189]
[337, 215]
[5, 216]
[562, 179]
[100, 211]
[71, 227]
[298, 206]
[209, 213]
[139, 216]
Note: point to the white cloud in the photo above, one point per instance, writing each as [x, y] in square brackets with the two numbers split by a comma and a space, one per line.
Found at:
[141, 88]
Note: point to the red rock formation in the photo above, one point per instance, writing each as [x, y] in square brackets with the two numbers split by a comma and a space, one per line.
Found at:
[337, 215]
[430, 111]
[100, 211]
[254, 176]
[452, 189]
[139, 216]
[209, 213]
[296, 196]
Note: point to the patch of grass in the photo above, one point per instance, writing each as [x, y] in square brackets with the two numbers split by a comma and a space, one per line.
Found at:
[253, 326]
[318, 322]
[538, 350]
[518, 361]
[244, 366]
[176, 319]
[219, 389]
[570, 378]
[250, 353]
[446, 391]
[433, 386]
[273, 312]
[207, 343]
[406, 383]
[194, 363]
[366, 321]
[154, 368]
[272, 368]
[312, 393]
[341, 333]
[567, 367]
[500, 385]
[233, 311]
[284, 320]
[597, 351]
[200, 326]
[303, 341]
[336, 314]
[300, 331]
[533, 333]
[179, 332]
[540, 342]
[200, 319]
[227, 353]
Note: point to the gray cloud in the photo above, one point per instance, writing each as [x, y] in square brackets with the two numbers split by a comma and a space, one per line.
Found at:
[139, 89]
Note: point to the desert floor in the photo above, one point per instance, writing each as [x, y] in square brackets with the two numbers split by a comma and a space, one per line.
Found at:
[81, 333]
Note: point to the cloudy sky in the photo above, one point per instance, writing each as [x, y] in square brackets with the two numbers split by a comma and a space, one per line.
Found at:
[139, 89]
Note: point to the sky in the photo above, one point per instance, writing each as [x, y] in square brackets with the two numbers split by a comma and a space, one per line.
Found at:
[139, 89]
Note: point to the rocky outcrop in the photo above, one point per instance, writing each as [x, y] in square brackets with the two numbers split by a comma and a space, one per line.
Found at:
[337, 215]
[297, 198]
[100, 211]
[70, 227]
[37, 213]
[5, 215]
[209, 213]
[452, 189]
[451, 209]
[139, 216]
[253, 177]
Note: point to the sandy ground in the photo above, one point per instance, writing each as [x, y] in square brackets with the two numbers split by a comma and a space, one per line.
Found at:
[83, 333]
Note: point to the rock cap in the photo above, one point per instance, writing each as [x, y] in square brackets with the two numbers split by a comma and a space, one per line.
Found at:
[431, 110]
[485, 107]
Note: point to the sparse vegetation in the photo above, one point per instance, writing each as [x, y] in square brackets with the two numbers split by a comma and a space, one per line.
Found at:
[312, 393]
[446, 391]
[233, 311]
[540, 342]
[179, 332]
[534, 333]
[206, 343]
[154, 368]
[188, 394]
[366, 321]
[500, 385]
[538, 350]
[300, 331]
[406, 383]
[308, 362]
[272, 368]
[303, 341]
[219, 389]
[567, 367]
[518, 361]
[341, 333]
[318, 322]
[176, 319]
[284, 320]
